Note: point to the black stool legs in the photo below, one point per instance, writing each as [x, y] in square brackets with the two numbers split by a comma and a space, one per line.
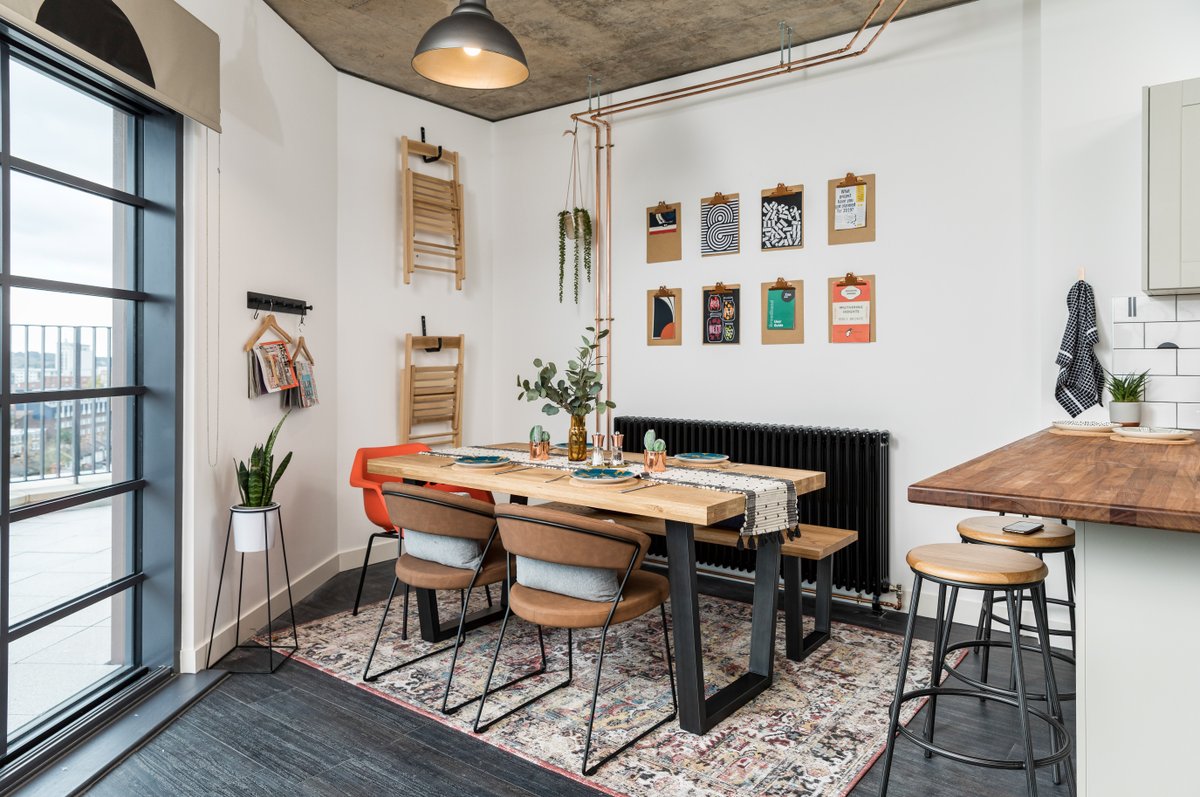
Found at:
[1017, 697]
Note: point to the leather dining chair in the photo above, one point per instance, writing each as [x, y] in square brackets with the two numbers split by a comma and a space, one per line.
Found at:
[560, 538]
[454, 517]
[373, 504]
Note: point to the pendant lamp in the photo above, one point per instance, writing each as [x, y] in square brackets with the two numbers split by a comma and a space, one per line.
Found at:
[471, 50]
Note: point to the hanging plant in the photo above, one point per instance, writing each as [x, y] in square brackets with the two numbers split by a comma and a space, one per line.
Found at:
[574, 222]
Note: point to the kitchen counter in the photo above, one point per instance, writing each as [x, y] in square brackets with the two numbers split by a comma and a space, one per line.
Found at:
[1081, 478]
[1137, 579]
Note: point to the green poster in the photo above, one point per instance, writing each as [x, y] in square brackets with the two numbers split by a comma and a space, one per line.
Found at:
[781, 308]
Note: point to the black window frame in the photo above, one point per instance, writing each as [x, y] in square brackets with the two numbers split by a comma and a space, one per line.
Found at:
[157, 385]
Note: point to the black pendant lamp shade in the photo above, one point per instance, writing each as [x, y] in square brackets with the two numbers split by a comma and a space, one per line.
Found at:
[471, 50]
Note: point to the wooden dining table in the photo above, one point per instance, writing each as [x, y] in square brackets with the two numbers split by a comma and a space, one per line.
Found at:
[683, 508]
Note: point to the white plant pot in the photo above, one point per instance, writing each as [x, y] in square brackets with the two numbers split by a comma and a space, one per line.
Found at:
[254, 527]
[1126, 413]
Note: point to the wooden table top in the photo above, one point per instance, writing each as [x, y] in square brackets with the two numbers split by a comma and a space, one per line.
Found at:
[667, 501]
[1077, 478]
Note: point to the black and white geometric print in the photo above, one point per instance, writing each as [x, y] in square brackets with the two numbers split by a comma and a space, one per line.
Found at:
[719, 228]
[782, 224]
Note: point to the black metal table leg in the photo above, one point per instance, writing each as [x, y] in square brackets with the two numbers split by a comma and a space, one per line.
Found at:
[696, 713]
[434, 630]
[822, 613]
[793, 609]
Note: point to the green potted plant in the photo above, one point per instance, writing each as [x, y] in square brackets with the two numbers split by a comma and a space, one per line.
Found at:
[256, 519]
[576, 393]
[1127, 392]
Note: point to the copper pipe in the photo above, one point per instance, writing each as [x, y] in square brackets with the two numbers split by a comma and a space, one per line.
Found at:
[750, 77]
[608, 136]
[775, 68]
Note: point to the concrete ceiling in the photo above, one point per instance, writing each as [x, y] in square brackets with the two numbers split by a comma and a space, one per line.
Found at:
[624, 43]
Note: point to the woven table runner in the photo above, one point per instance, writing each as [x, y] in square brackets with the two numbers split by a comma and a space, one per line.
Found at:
[770, 502]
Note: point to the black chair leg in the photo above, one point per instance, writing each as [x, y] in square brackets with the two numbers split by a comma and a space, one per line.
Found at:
[1070, 563]
[404, 624]
[939, 635]
[905, 654]
[1018, 679]
[988, 598]
[362, 576]
[379, 631]
[479, 726]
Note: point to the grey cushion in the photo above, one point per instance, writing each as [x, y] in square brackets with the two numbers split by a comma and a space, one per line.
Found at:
[586, 583]
[449, 551]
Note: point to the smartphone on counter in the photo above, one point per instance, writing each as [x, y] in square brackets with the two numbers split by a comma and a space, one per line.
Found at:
[1024, 527]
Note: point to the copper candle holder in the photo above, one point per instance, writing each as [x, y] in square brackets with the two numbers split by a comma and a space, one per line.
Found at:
[655, 461]
[539, 451]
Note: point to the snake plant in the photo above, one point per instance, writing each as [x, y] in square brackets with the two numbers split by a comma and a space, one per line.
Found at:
[257, 480]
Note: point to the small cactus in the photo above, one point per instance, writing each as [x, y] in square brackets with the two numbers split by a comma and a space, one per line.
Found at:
[545, 437]
[535, 434]
[649, 439]
[660, 445]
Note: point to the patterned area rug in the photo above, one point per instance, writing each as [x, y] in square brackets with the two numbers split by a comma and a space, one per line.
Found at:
[814, 732]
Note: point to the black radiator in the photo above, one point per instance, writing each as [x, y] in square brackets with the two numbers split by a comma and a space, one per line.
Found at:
[855, 463]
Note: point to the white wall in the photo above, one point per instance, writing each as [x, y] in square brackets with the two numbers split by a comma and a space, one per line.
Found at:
[261, 201]
[375, 307]
[1027, 113]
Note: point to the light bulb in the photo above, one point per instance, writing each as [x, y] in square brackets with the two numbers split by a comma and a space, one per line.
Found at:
[472, 51]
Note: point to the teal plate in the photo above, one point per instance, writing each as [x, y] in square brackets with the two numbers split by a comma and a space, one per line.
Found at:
[482, 462]
[602, 475]
[564, 445]
[700, 456]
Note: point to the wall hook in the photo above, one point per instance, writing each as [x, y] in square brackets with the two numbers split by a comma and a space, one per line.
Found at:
[432, 158]
[424, 334]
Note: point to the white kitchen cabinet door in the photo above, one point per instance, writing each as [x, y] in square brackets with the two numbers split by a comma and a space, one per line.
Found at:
[1171, 173]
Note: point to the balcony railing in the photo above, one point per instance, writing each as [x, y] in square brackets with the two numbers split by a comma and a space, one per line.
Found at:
[60, 439]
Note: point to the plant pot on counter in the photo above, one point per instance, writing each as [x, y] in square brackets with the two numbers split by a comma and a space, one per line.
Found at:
[254, 527]
[1126, 413]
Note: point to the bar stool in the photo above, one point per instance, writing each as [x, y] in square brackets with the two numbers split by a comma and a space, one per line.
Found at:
[1053, 538]
[985, 569]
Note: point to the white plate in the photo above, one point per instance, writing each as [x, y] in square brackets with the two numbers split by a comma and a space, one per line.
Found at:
[1153, 432]
[1085, 426]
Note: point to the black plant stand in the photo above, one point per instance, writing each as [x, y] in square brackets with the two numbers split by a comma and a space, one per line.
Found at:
[271, 647]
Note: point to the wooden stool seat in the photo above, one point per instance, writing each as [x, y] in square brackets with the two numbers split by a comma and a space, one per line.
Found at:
[975, 564]
[989, 529]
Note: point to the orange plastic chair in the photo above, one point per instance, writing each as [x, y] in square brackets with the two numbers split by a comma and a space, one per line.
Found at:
[372, 487]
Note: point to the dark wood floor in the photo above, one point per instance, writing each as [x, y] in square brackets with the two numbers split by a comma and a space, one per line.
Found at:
[305, 733]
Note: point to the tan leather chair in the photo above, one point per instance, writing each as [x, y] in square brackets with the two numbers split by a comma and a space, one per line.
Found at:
[444, 514]
[564, 538]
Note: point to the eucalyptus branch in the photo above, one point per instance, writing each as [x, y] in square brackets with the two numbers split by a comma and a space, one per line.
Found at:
[577, 390]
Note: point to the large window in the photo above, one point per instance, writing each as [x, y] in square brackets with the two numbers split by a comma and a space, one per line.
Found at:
[88, 395]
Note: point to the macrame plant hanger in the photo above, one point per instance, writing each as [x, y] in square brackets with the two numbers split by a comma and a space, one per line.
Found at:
[574, 220]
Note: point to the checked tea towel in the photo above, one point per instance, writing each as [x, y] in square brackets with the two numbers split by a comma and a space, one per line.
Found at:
[1081, 379]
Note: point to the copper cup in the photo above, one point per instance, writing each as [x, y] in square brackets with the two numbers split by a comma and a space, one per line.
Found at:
[539, 451]
[655, 461]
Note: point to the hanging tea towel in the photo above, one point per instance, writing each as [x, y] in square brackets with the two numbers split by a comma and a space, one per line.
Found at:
[1081, 379]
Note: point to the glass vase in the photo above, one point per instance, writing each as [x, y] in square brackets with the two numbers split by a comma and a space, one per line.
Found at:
[577, 439]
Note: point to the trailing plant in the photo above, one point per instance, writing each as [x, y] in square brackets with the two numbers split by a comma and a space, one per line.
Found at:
[1127, 387]
[579, 392]
[257, 480]
[583, 230]
[563, 217]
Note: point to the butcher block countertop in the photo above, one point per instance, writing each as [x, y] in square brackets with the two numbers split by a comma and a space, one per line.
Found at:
[1077, 478]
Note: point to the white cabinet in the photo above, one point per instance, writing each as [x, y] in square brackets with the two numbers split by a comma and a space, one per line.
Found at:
[1171, 189]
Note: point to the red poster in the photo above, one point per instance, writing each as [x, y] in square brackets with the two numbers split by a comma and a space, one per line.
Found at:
[850, 311]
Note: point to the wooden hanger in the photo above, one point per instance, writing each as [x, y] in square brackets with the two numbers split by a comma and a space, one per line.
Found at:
[780, 190]
[850, 180]
[268, 324]
[302, 348]
[850, 279]
[781, 284]
[717, 199]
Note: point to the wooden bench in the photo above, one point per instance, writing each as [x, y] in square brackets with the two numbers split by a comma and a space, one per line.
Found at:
[816, 543]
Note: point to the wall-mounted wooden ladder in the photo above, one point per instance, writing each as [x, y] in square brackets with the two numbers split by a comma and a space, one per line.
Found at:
[432, 394]
[433, 215]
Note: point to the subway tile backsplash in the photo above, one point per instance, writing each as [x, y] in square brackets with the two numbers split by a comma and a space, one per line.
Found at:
[1161, 334]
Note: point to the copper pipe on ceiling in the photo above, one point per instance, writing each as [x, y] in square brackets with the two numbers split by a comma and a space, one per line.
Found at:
[599, 117]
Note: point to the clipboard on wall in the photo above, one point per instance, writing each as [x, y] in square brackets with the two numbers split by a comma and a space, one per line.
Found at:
[664, 237]
[783, 311]
[851, 209]
[852, 309]
[663, 311]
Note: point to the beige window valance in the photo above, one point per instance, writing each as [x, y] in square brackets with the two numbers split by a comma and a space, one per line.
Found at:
[153, 46]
